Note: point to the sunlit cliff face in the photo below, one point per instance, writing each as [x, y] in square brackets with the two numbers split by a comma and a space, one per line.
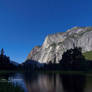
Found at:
[56, 44]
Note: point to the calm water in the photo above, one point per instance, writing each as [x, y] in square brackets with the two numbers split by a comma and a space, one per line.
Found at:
[51, 82]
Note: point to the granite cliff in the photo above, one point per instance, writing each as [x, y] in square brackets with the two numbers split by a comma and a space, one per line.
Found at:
[56, 44]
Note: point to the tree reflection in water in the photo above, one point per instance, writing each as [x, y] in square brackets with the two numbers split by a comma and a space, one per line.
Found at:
[52, 82]
[73, 83]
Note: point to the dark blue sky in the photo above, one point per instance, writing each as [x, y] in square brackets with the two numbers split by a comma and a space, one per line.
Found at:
[25, 23]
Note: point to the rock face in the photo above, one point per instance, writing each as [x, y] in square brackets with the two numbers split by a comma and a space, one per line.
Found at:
[56, 44]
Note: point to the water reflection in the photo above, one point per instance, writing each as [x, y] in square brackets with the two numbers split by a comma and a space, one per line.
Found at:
[6, 76]
[54, 83]
[73, 83]
[6, 85]
[42, 83]
[50, 82]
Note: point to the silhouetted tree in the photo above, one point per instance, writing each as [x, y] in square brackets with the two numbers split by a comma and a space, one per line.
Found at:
[73, 58]
[5, 63]
[3, 58]
[2, 51]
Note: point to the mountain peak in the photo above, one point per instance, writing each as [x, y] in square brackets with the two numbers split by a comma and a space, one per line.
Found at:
[77, 29]
[56, 44]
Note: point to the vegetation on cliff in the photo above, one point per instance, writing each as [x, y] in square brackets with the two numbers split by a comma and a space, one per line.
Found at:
[88, 55]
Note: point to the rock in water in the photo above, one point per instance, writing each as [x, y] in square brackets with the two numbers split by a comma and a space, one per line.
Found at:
[56, 44]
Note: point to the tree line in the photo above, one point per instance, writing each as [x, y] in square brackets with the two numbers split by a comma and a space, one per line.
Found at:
[72, 59]
[5, 62]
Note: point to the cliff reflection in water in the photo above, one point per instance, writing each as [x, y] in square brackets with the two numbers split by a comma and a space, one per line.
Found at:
[54, 82]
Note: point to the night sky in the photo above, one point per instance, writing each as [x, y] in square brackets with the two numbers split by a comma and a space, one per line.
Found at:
[25, 23]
